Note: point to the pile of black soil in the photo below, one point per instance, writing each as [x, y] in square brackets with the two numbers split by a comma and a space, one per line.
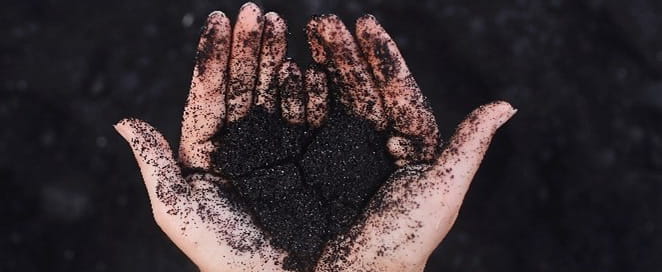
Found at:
[259, 140]
[304, 186]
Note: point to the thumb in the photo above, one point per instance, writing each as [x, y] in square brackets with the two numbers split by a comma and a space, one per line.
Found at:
[460, 160]
[166, 188]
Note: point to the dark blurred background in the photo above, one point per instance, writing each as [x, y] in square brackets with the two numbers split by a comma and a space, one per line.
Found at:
[572, 183]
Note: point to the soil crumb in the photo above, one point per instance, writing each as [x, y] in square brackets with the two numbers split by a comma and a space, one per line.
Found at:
[303, 186]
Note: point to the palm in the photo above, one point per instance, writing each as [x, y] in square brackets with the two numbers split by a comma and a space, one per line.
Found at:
[214, 233]
[237, 71]
[192, 210]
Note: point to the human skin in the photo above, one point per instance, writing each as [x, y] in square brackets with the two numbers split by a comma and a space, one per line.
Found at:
[236, 70]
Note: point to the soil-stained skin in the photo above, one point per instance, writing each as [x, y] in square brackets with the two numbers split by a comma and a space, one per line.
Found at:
[306, 170]
[303, 153]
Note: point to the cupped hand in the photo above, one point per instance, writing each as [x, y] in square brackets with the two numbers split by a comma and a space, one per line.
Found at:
[415, 209]
[186, 200]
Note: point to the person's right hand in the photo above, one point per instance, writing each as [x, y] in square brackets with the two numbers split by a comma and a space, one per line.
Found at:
[415, 209]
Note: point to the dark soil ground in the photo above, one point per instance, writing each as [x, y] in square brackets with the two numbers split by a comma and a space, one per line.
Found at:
[572, 183]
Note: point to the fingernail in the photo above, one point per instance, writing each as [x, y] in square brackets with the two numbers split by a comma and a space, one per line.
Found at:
[248, 4]
[122, 128]
[272, 15]
[507, 112]
[215, 15]
[367, 17]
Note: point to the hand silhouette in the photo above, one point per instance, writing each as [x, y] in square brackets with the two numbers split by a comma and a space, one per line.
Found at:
[236, 71]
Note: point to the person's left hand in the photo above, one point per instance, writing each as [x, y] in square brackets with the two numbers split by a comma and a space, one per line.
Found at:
[189, 207]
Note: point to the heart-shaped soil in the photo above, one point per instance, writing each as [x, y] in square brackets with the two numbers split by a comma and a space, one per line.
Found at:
[303, 186]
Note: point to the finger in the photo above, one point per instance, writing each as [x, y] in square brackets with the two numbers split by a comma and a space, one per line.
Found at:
[166, 188]
[350, 69]
[205, 105]
[319, 55]
[461, 158]
[291, 93]
[274, 45]
[244, 60]
[315, 87]
[315, 41]
[404, 102]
